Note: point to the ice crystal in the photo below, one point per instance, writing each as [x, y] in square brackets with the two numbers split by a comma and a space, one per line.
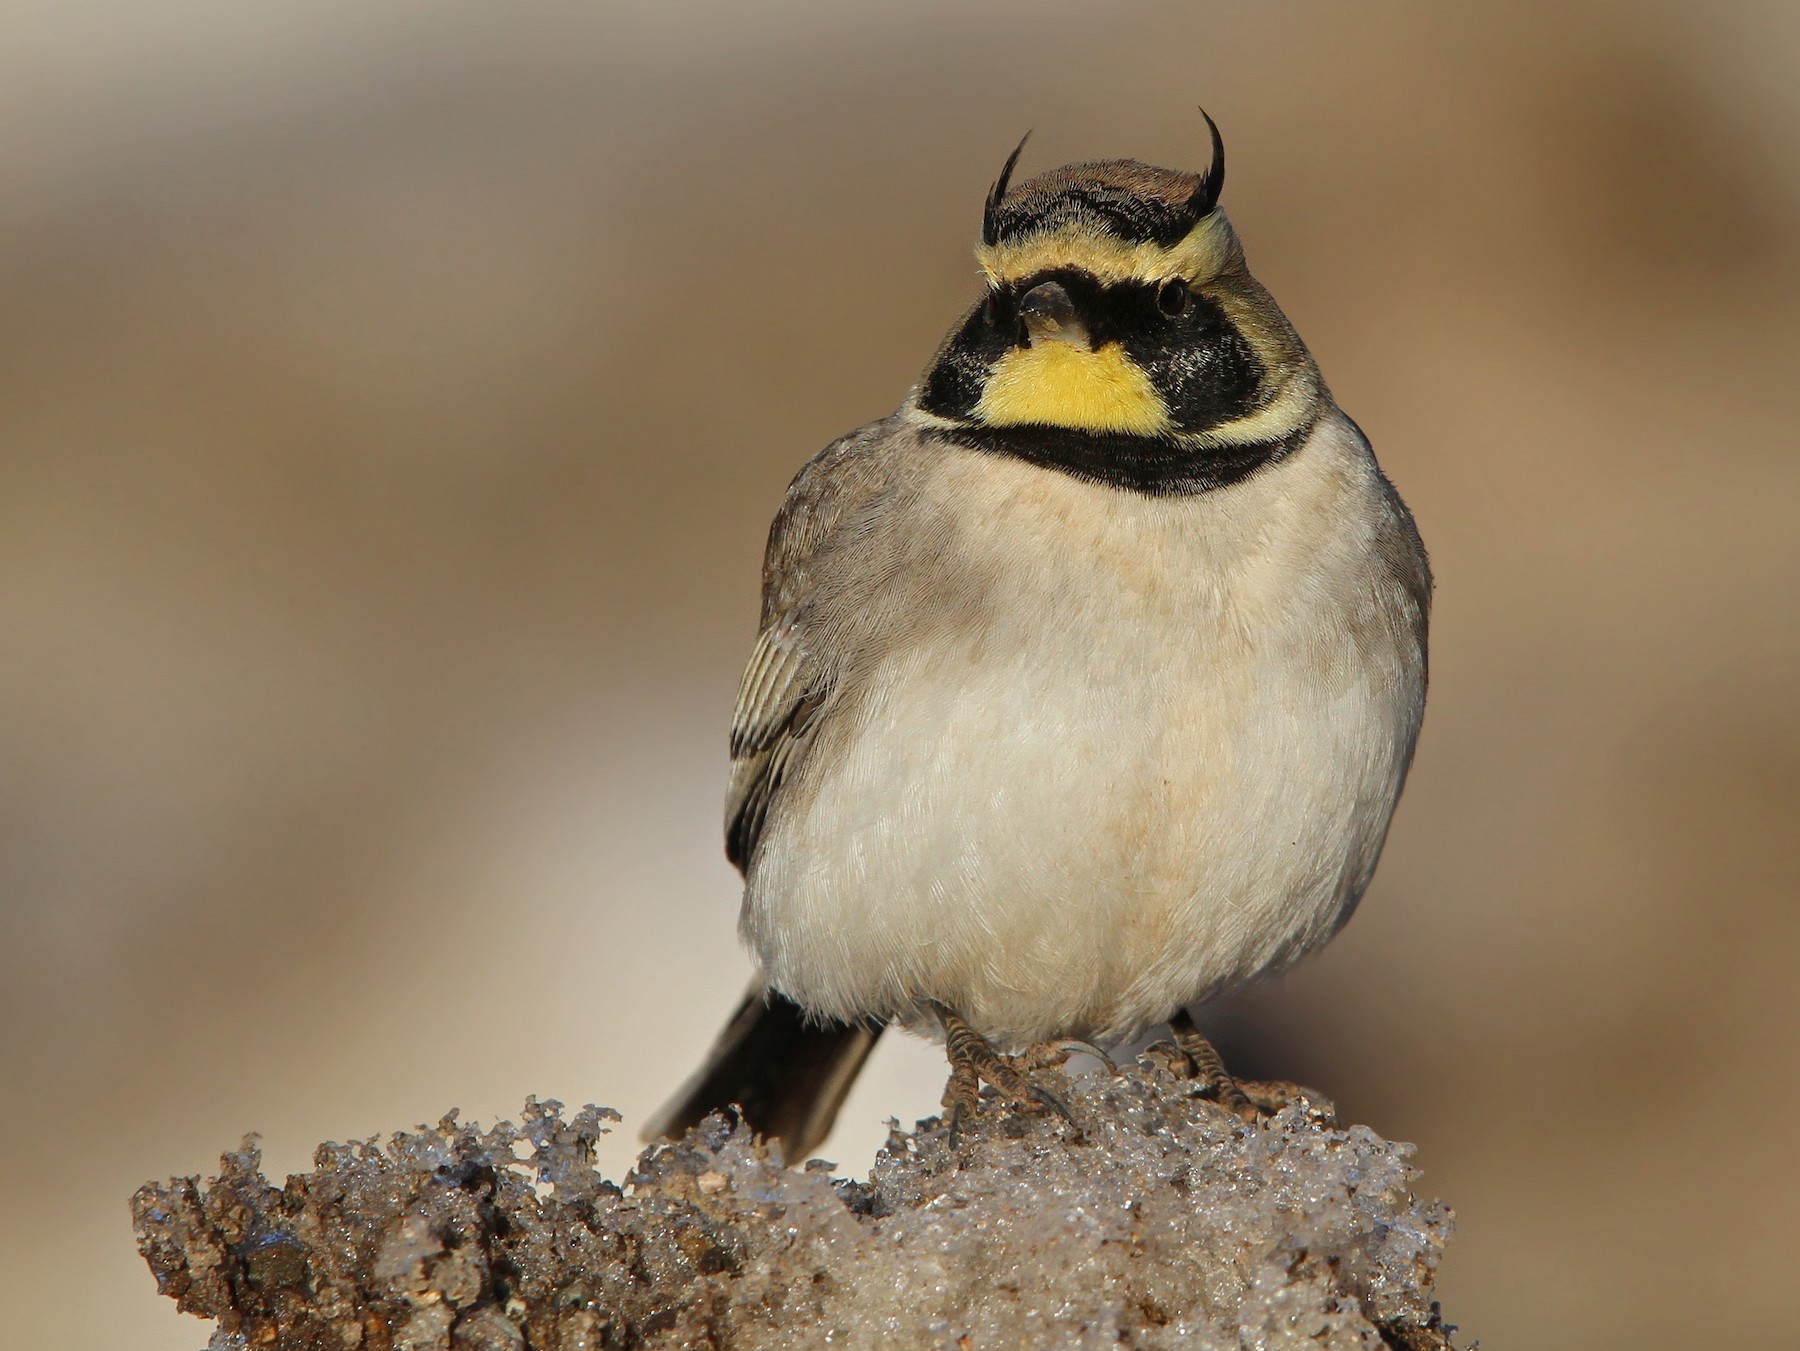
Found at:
[1155, 1221]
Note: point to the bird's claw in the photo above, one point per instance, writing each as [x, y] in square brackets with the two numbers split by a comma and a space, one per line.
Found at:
[1248, 1100]
[974, 1061]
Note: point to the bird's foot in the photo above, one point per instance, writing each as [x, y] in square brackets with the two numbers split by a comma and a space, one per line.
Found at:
[1055, 1054]
[974, 1061]
[1247, 1099]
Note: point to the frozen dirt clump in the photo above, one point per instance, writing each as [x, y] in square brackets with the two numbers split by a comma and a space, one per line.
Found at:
[1157, 1221]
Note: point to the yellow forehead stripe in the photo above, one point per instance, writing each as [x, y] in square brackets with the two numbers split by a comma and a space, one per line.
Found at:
[1061, 385]
[1199, 256]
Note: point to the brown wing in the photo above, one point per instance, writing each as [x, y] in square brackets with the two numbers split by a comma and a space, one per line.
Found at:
[828, 515]
[783, 687]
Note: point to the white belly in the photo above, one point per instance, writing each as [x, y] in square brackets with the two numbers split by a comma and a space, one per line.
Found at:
[1161, 760]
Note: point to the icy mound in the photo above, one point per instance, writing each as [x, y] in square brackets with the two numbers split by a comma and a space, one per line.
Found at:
[1161, 1222]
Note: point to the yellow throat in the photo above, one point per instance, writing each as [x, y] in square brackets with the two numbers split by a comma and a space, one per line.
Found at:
[1060, 384]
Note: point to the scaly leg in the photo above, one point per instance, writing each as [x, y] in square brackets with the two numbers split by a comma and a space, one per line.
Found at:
[972, 1061]
[1207, 1066]
[1243, 1098]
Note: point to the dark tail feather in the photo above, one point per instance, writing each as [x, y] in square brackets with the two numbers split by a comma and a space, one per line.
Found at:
[786, 1075]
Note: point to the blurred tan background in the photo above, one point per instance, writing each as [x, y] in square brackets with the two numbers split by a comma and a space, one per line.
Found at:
[393, 400]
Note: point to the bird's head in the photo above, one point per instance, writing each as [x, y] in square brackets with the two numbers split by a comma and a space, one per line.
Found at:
[1119, 319]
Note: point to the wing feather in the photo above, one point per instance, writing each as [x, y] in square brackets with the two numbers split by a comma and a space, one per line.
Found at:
[782, 687]
[767, 693]
[794, 667]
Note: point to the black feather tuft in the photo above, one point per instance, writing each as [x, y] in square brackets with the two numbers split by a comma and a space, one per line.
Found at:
[1212, 182]
[990, 219]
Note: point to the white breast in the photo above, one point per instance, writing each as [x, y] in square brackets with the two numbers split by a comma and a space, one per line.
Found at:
[1159, 757]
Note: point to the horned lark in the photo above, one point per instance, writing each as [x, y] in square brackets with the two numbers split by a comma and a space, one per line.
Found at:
[1087, 681]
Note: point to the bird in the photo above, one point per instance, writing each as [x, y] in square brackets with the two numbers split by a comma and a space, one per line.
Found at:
[1086, 682]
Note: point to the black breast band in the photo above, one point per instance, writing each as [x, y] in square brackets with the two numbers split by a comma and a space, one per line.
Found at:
[1153, 465]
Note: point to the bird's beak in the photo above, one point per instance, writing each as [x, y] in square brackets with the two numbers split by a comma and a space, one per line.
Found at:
[1049, 314]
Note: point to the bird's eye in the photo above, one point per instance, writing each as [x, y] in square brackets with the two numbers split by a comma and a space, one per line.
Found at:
[1173, 297]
